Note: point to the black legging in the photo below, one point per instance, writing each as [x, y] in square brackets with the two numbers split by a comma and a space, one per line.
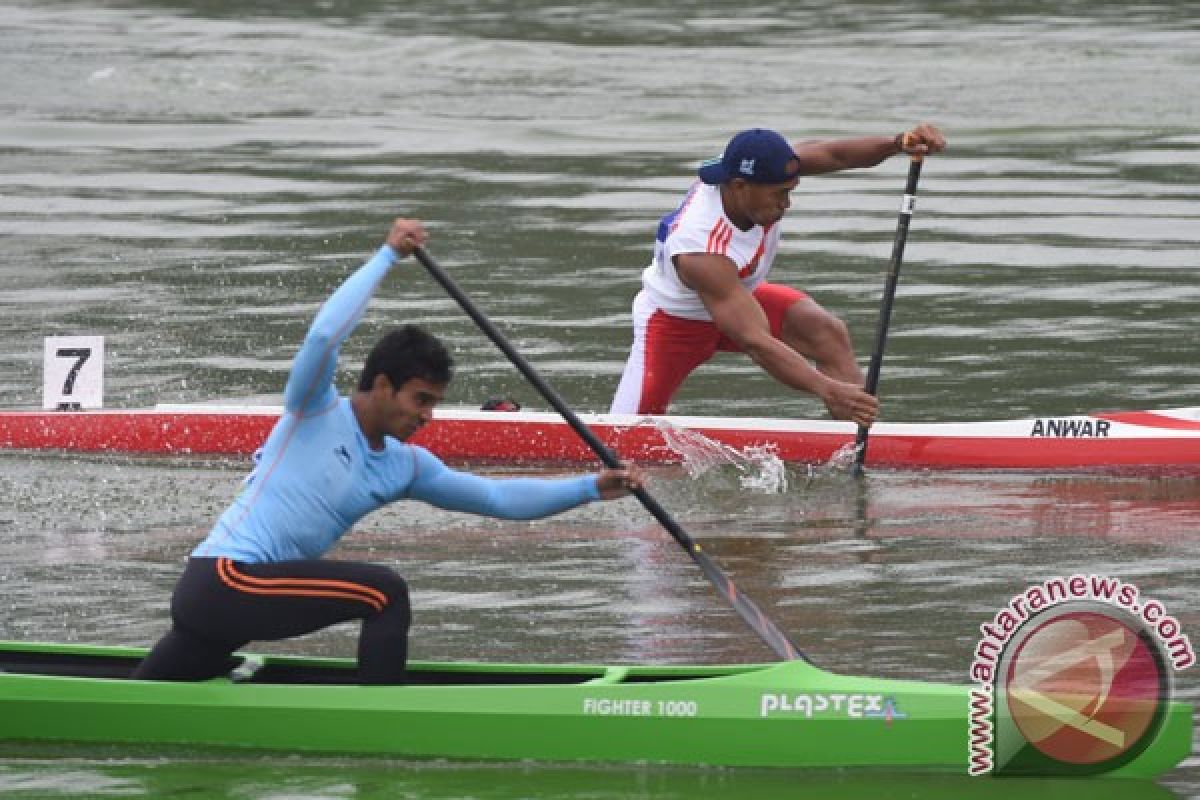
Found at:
[220, 605]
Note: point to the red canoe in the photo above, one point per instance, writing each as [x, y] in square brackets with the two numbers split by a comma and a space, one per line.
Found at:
[1167, 440]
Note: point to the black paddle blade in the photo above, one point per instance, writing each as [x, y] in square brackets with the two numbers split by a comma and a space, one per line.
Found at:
[745, 607]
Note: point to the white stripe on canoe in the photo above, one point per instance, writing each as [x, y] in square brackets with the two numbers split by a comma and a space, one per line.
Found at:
[1006, 429]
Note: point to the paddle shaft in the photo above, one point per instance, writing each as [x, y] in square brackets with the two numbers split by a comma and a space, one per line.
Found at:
[764, 627]
[888, 300]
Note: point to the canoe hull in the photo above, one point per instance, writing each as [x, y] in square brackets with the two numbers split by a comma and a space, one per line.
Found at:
[788, 714]
[1164, 440]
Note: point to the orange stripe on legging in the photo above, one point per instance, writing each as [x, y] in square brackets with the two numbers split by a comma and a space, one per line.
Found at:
[299, 587]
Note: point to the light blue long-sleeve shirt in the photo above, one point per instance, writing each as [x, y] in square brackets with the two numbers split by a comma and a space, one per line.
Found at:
[316, 474]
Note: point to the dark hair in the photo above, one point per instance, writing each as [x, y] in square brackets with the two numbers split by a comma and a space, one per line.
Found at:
[406, 353]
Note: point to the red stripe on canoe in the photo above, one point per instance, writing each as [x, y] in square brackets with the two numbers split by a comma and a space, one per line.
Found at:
[501, 438]
[1148, 419]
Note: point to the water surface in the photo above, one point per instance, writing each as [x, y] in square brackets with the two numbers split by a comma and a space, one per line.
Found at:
[191, 180]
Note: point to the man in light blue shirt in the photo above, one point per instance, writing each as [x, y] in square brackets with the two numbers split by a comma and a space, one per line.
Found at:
[328, 462]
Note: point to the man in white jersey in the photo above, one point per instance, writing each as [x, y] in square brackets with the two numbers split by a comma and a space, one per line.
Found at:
[328, 462]
[707, 291]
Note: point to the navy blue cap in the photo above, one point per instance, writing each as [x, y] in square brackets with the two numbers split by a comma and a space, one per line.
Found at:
[756, 155]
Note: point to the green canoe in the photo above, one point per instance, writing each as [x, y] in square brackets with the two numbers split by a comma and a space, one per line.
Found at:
[786, 714]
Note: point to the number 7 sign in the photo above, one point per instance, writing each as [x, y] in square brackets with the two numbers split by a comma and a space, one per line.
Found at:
[73, 367]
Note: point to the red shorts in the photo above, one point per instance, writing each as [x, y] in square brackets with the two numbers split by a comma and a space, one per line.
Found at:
[666, 349]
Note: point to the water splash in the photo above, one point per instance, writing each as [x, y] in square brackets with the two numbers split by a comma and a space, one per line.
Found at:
[843, 459]
[759, 467]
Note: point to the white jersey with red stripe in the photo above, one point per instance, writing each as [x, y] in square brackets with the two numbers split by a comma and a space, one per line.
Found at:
[699, 225]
